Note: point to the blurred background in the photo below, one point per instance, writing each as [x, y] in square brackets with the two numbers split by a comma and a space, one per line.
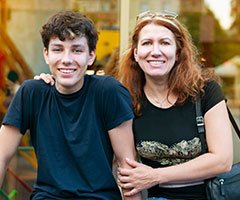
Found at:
[214, 25]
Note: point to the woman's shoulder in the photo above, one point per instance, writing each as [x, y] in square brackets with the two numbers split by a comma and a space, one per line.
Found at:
[212, 85]
[213, 94]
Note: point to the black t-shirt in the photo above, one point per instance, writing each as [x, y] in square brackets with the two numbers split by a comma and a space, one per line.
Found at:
[166, 137]
[70, 136]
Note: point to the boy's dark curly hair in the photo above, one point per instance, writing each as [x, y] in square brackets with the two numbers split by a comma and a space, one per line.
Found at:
[68, 25]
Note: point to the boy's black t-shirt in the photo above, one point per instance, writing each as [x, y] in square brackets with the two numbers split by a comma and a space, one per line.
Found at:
[70, 136]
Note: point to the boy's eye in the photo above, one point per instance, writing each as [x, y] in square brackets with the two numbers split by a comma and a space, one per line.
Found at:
[77, 50]
[56, 49]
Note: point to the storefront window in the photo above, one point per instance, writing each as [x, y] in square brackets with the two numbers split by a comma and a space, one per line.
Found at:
[213, 24]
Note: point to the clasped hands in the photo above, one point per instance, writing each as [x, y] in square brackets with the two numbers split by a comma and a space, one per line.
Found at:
[136, 179]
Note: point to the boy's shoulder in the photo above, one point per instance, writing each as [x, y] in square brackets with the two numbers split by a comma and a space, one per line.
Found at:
[32, 84]
[102, 78]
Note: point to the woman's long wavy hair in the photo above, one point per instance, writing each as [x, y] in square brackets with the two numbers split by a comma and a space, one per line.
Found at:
[186, 79]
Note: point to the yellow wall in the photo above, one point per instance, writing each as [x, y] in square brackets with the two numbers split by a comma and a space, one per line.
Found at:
[108, 40]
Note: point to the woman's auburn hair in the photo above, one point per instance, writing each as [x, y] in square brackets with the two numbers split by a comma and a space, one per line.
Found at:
[186, 79]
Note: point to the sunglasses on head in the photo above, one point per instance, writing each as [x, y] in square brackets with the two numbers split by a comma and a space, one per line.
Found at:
[163, 14]
[166, 16]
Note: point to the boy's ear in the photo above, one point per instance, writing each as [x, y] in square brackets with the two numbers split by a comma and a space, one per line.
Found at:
[45, 54]
[92, 57]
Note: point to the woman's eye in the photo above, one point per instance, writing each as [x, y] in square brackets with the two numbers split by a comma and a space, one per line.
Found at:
[146, 43]
[165, 43]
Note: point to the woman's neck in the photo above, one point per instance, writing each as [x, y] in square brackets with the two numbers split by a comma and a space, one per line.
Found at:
[158, 94]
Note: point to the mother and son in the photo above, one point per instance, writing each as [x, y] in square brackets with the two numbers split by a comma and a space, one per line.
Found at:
[79, 122]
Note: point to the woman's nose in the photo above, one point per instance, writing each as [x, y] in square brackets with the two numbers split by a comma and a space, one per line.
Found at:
[156, 49]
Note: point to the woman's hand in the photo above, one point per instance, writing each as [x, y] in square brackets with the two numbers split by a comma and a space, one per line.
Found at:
[47, 78]
[138, 178]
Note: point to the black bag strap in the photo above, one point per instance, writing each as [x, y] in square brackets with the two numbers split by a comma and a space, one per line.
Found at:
[201, 126]
[234, 123]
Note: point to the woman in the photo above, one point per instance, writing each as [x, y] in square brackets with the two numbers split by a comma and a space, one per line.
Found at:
[162, 73]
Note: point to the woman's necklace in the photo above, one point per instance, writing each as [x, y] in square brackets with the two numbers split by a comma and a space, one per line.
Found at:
[157, 102]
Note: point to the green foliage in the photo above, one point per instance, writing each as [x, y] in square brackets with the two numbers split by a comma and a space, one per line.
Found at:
[192, 21]
[225, 44]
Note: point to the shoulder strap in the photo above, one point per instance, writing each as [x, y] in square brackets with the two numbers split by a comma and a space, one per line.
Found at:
[199, 116]
[200, 121]
[234, 123]
[200, 124]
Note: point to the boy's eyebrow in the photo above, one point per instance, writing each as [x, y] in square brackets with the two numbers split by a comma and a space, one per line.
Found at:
[55, 44]
[74, 45]
[78, 45]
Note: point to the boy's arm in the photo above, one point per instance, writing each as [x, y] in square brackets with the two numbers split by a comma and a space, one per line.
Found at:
[10, 138]
[123, 146]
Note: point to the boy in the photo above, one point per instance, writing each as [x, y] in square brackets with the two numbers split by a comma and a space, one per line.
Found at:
[77, 124]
